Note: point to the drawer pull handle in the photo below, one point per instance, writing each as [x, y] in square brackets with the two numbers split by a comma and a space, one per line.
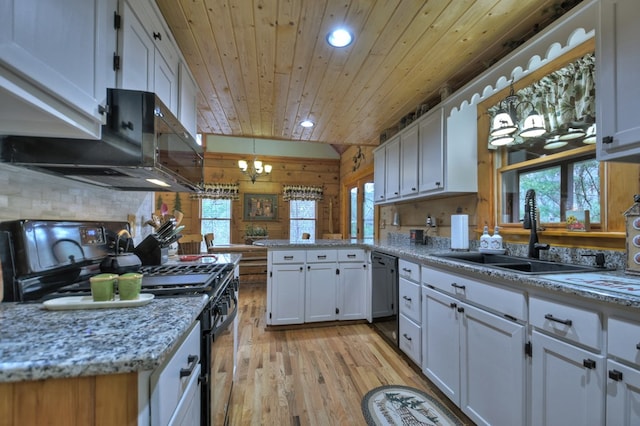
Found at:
[589, 363]
[638, 346]
[324, 256]
[456, 285]
[351, 256]
[288, 258]
[408, 299]
[561, 321]
[406, 337]
[193, 361]
[406, 270]
[615, 375]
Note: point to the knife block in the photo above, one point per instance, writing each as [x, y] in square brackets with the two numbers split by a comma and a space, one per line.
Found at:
[151, 252]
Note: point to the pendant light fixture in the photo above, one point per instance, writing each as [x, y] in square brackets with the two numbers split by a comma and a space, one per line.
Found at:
[504, 123]
[257, 168]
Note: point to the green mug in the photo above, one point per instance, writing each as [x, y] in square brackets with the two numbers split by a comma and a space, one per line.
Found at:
[129, 285]
[102, 287]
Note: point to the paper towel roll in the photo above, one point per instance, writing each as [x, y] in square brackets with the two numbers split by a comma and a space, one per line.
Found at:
[460, 232]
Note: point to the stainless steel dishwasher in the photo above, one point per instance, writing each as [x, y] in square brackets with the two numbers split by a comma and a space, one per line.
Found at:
[384, 303]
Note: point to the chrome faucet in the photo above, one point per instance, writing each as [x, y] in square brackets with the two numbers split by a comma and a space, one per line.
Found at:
[530, 222]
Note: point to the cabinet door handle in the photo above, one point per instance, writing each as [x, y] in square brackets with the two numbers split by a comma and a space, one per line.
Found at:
[408, 299]
[413, 189]
[607, 139]
[301, 269]
[615, 375]
[193, 361]
[638, 346]
[460, 309]
[561, 321]
[453, 305]
[157, 35]
[406, 337]
[589, 363]
[456, 285]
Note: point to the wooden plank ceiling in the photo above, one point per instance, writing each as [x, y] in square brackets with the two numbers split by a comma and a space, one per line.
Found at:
[264, 65]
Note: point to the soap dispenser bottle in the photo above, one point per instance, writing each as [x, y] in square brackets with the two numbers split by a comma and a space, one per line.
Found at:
[495, 243]
[485, 239]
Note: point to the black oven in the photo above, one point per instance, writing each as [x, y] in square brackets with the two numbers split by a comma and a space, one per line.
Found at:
[219, 322]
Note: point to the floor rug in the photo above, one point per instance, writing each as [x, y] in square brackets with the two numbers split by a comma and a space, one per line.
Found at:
[402, 405]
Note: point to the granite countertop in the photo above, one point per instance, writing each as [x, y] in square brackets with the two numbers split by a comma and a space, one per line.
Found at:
[36, 343]
[427, 255]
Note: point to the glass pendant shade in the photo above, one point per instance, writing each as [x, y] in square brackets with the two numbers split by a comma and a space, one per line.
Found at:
[572, 134]
[243, 165]
[503, 124]
[267, 168]
[554, 143]
[502, 140]
[591, 135]
[533, 125]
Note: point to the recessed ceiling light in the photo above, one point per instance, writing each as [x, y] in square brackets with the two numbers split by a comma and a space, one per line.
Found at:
[339, 38]
[307, 123]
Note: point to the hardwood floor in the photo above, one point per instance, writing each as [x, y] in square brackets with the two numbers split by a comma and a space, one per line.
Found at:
[311, 376]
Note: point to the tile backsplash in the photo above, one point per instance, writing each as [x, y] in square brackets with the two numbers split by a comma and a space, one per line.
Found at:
[26, 194]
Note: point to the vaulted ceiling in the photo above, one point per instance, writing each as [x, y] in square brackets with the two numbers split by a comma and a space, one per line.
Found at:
[263, 66]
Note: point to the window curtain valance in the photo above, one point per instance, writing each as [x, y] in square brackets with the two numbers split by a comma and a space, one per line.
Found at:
[219, 191]
[301, 192]
[565, 97]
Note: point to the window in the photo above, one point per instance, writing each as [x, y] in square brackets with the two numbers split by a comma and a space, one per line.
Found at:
[361, 211]
[216, 218]
[302, 218]
[562, 184]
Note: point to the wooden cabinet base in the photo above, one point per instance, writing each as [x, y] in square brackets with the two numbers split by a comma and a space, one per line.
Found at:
[110, 400]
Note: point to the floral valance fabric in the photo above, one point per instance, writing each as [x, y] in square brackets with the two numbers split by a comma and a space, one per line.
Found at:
[301, 192]
[219, 191]
[564, 97]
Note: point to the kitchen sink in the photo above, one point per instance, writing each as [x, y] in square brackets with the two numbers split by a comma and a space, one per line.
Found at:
[521, 265]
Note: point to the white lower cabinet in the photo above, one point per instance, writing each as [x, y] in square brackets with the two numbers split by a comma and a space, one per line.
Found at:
[317, 285]
[567, 383]
[623, 394]
[321, 283]
[476, 358]
[285, 294]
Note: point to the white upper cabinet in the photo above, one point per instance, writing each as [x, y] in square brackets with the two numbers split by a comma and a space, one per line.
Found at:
[429, 158]
[409, 162]
[148, 57]
[379, 171]
[55, 66]
[618, 91]
[431, 149]
[187, 105]
[392, 169]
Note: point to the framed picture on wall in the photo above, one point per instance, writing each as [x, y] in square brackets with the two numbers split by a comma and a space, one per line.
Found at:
[260, 206]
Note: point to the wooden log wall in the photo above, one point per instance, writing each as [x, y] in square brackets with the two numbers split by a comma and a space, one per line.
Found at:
[223, 168]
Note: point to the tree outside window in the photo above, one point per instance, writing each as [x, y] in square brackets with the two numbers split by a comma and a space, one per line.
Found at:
[302, 218]
[216, 219]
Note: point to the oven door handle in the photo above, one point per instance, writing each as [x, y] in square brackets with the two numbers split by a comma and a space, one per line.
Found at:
[227, 321]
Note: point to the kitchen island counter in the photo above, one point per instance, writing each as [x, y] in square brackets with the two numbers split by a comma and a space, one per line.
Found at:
[428, 255]
[36, 343]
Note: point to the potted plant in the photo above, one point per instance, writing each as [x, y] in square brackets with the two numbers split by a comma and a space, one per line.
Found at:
[254, 233]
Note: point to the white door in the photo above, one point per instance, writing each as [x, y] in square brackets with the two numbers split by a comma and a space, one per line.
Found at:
[441, 343]
[623, 395]
[321, 286]
[567, 384]
[492, 357]
[352, 290]
[286, 284]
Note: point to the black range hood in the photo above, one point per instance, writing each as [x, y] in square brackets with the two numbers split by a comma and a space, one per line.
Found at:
[143, 148]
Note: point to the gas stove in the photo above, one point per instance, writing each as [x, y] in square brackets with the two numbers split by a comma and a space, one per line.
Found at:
[42, 260]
